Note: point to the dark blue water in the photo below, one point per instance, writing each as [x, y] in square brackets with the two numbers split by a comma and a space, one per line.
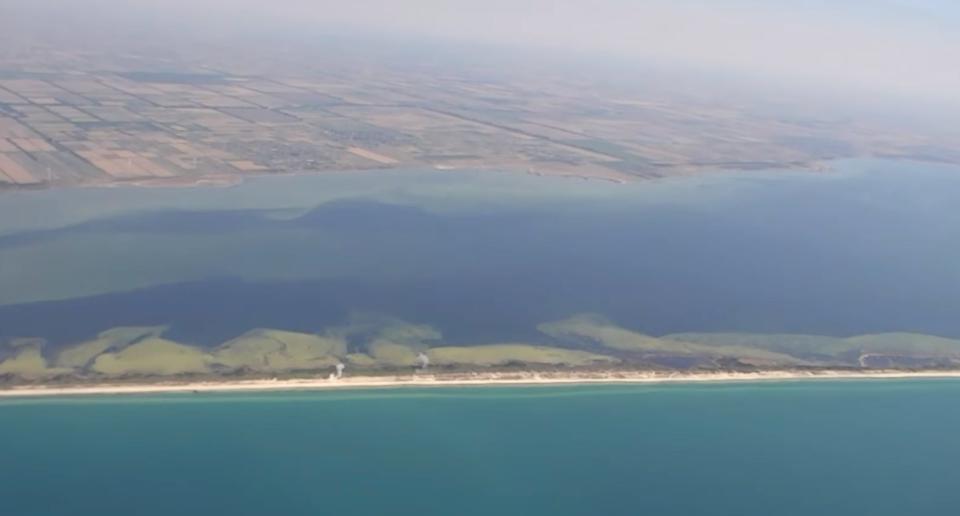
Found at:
[878, 448]
[866, 250]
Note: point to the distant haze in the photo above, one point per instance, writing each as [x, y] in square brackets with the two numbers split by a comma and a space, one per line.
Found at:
[906, 49]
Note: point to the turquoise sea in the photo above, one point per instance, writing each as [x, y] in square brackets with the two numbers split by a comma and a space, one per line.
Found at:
[795, 448]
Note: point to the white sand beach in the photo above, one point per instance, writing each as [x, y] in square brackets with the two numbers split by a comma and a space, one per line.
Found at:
[460, 379]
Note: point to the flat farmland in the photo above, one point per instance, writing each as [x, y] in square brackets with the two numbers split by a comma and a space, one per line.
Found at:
[91, 118]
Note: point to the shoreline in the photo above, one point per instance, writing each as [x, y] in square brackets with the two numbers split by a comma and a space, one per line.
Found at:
[459, 380]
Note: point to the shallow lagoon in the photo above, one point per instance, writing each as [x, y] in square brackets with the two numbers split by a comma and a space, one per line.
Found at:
[486, 257]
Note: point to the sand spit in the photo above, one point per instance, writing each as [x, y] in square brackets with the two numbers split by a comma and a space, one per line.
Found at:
[462, 379]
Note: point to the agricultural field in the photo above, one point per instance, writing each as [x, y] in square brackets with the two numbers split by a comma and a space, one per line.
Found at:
[90, 118]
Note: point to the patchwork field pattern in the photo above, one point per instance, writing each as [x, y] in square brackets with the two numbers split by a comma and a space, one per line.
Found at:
[87, 118]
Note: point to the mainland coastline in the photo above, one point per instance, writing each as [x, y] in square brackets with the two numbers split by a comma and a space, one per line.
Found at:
[477, 379]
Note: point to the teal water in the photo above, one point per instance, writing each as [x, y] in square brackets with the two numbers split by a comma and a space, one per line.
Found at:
[826, 448]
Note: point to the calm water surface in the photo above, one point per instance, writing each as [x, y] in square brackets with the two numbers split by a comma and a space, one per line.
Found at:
[873, 448]
[486, 257]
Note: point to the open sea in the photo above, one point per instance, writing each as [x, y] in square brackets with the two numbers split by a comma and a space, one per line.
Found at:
[871, 447]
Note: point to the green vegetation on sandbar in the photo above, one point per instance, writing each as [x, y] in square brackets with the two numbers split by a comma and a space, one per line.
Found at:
[382, 343]
[153, 357]
[83, 354]
[504, 354]
[595, 329]
[276, 350]
[833, 349]
[905, 343]
[391, 354]
[767, 350]
[361, 360]
[790, 344]
[23, 358]
[389, 342]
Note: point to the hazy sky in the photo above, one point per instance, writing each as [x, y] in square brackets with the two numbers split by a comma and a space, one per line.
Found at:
[907, 48]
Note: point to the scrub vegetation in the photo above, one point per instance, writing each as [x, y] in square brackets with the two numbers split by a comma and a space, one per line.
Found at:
[382, 344]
